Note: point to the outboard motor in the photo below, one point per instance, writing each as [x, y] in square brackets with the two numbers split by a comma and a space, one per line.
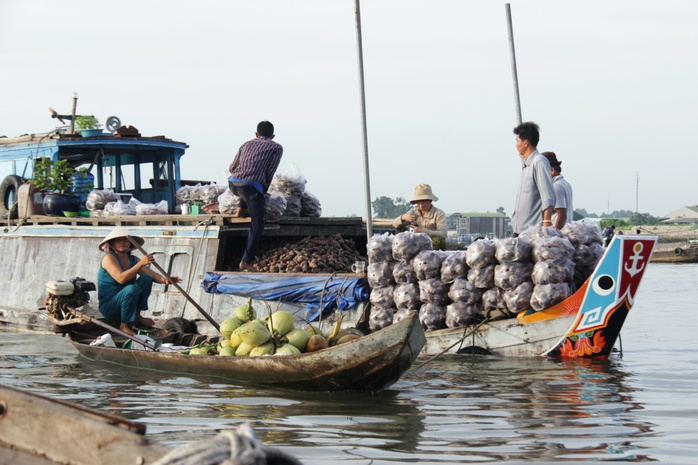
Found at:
[65, 295]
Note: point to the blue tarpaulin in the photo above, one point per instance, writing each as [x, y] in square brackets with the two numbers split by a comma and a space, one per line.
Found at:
[340, 292]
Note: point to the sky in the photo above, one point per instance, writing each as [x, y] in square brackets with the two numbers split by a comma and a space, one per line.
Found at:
[612, 84]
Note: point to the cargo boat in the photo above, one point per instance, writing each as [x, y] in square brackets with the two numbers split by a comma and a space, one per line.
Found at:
[39, 248]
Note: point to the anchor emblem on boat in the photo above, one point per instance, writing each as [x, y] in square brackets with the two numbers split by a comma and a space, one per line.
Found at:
[636, 258]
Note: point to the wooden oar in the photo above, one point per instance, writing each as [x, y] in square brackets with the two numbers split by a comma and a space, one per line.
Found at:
[84, 317]
[184, 293]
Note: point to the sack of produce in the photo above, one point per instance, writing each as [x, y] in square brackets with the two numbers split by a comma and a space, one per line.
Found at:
[427, 264]
[403, 313]
[406, 296]
[514, 249]
[547, 295]
[434, 291]
[380, 317]
[432, 316]
[407, 245]
[380, 274]
[462, 290]
[510, 274]
[482, 276]
[274, 206]
[382, 296]
[454, 266]
[459, 314]
[403, 272]
[228, 203]
[583, 232]
[310, 205]
[480, 253]
[588, 255]
[552, 248]
[380, 248]
[97, 199]
[493, 299]
[550, 271]
[159, 208]
[519, 298]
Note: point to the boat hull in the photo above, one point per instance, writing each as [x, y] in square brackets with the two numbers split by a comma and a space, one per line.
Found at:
[585, 325]
[369, 363]
[678, 252]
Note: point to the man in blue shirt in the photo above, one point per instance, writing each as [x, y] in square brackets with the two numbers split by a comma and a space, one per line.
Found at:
[535, 198]
[251, 174]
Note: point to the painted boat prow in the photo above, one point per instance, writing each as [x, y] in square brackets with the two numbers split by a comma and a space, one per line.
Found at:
[609, 294]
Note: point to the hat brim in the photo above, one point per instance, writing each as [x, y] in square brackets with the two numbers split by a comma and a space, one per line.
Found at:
[417, 198]
[118, 233]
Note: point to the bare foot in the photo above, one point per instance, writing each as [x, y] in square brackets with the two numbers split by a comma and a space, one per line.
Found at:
[125, 327]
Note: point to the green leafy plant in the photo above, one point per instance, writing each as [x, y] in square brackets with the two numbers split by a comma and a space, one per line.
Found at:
[53, 177]
[87, 122]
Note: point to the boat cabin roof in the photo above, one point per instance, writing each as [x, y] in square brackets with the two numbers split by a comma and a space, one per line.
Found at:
[145, 167]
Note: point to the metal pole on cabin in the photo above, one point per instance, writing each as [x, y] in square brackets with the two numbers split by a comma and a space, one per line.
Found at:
[72, 119]
[367, 179]
[514, 74]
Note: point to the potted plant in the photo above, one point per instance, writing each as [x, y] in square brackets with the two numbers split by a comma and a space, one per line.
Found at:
[56, 180]
[88, 126]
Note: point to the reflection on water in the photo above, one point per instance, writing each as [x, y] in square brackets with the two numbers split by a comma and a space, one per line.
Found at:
[475, 409]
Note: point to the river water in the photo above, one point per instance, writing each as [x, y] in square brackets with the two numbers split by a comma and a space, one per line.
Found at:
[636, 407]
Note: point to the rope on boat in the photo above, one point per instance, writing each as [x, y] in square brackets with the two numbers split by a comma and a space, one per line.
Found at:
[459, 341]
[238, 447]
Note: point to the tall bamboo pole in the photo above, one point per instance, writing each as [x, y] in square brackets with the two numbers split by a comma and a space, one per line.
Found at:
[367, 178]
[514, 74]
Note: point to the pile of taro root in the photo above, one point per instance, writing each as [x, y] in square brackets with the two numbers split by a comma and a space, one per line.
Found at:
[491, 279]
[332, 254]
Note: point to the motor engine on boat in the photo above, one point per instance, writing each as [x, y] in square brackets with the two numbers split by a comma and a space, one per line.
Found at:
[65, 295]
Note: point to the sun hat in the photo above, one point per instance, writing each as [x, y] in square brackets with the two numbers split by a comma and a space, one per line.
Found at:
[423, 192]
[120, 232]
[552, 158]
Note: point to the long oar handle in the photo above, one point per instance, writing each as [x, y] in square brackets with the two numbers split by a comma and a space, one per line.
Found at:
[82, 316]
[184, 293]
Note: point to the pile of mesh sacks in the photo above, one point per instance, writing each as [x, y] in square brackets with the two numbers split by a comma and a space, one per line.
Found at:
[287, 196]
[104, 203]
[491, 279]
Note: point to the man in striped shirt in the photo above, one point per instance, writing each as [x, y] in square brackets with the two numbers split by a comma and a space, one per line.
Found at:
[250, 176]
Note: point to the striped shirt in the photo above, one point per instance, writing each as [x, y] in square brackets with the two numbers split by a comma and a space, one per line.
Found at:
[257, 161]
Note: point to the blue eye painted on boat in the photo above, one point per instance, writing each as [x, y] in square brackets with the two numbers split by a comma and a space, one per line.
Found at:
[604, 285]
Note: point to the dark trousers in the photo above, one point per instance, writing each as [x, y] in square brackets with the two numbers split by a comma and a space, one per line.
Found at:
[125, 305]
[253, 201]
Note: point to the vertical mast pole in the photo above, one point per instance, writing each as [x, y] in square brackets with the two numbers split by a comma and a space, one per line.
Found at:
[367, 179]
[512, 54]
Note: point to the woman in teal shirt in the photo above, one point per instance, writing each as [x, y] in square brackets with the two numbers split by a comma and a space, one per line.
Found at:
[124, 282]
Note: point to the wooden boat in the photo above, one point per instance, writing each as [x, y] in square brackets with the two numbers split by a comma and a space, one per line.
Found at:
[585, 325]
[676, 252]
[369, 363]
[85, 436]
[90, 437]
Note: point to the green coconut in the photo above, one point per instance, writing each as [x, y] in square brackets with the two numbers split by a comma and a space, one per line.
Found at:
[245, 312]
[229, 325]
[280, 322]
[227, 352]
[243, 350]
[287, 349]
[254, 333]
[298, 338]
[265, 349]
